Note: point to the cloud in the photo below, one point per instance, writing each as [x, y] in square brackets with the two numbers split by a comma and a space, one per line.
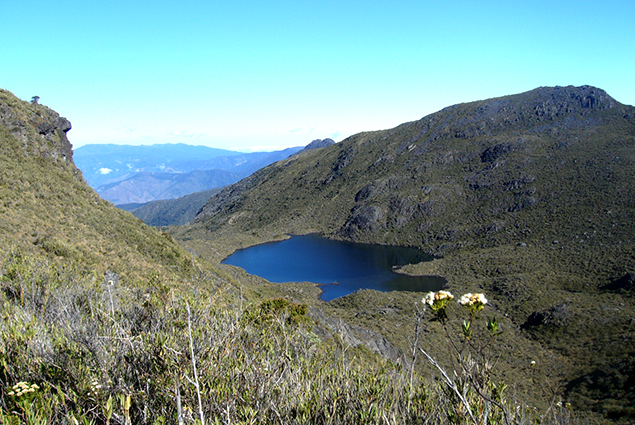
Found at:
[105, 171]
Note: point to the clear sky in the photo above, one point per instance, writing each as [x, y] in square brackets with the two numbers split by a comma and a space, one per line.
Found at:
[253, 75]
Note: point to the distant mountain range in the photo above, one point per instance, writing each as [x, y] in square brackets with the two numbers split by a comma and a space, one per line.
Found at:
[108, 163]
[145, 187]
[126, 174]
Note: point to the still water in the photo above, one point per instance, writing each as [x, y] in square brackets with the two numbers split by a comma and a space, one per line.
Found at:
[341, 267]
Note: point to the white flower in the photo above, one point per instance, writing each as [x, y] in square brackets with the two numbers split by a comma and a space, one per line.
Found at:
[432, 297]
[444, 294]
[429, 299]
[472, 299]
[479, 299]
[465, 299]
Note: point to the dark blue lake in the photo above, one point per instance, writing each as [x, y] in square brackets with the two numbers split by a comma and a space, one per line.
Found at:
[342, 267]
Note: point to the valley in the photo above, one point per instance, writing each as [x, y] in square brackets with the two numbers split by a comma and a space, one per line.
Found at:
[526, 198]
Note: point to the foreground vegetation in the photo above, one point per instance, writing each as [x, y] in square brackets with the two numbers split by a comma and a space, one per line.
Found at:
[79, 348]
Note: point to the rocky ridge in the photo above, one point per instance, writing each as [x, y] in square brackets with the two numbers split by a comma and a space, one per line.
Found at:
[41, 130]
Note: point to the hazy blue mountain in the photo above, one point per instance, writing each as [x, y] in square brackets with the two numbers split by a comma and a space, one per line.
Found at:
[107, 163]
[245, 164]
[126, 174]
[146, 187]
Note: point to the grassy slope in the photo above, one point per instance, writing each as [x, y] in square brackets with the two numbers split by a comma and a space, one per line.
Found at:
[527, 197]
[47, 208]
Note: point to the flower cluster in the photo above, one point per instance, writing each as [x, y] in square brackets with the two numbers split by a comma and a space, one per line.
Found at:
[472, 299]
[22, 388]
[437, 300]
[473, 302]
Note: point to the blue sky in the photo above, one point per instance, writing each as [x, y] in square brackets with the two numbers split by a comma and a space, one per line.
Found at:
[254, 75]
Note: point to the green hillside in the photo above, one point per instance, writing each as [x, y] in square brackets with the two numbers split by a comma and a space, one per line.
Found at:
[47, 208]
[528, 198]
[173, 211]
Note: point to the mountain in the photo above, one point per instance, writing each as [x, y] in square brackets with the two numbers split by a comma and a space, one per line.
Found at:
[172, 212]
[106, 320]
[107, 163]
[48, 209]
[138, 174]
[527, 197]
[146, 187]
[317, 144]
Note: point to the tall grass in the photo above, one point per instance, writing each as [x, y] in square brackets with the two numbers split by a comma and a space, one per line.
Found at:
[80, 348]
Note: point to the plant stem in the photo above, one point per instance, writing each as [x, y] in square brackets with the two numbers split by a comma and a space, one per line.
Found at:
[196, 384]
[450, 384]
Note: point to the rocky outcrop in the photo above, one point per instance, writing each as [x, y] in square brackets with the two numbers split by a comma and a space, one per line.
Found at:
[556, 316]
[318, 143]
[353, 335]
[624, 283]
[40, 130]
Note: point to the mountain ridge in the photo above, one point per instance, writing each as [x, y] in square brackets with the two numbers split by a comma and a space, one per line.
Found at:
[145, 187]
[526, 197]
[405, 152]
[126, 174]
[171, 212]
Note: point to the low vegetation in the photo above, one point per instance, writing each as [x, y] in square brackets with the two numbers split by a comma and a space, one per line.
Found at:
[79, 348]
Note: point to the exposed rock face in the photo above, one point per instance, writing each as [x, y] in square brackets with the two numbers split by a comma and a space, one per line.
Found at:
[41, 130]
[555, 316]
[353, 335]
[364, 218]
[565, 100]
